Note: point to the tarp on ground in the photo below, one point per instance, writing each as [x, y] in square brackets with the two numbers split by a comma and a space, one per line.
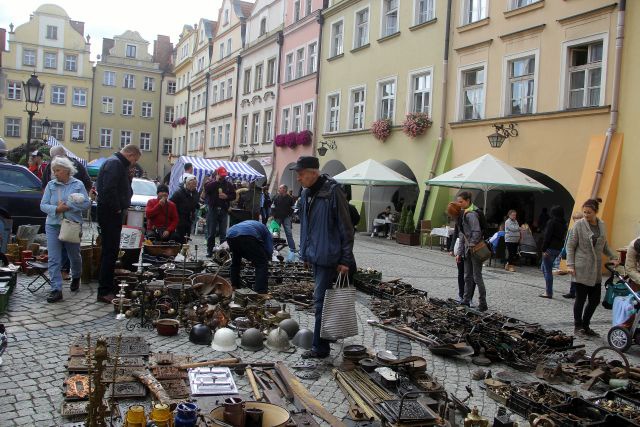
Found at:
[52, 142]
[202, 167]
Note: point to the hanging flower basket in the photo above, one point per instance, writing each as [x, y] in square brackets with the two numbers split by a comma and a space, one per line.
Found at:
[304, 138]
[183, 121]
[381, 129]
[279, 140]
[415, 124]
[290, 140]
[174, 124]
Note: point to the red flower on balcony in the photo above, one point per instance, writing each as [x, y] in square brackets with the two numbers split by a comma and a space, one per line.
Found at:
[304, 137]
[290, 140]
[381, 129]
[279, 141]
[415, 124]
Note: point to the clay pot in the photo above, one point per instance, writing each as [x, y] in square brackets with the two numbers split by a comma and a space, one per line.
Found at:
[167, 327]
[234, 411]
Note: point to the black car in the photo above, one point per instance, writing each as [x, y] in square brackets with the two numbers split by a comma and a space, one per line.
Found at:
[20, 195]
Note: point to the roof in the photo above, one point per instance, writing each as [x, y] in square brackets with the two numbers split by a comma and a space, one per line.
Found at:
[243, 8]
[209, 28]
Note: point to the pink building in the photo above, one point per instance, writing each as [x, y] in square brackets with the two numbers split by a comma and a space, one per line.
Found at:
[298, 76]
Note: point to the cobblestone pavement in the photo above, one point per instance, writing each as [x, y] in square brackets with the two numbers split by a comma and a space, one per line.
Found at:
[39, 333]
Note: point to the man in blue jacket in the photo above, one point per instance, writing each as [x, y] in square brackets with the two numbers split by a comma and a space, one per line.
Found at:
[326, 238]
[250, 240]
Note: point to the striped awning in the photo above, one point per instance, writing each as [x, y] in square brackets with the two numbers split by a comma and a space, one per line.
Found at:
[52, 142]
[202, 167]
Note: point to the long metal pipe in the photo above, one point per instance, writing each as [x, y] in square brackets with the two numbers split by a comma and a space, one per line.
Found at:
[613, 116]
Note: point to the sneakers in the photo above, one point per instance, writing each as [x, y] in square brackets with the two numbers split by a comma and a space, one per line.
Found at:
[568, 296]
[75, 284]
[312, 354]
[55, 296]
[590, 332]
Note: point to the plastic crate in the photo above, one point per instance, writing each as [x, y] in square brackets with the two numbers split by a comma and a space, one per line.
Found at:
[4, 300]
[631, 416]
[579, 413]
[527, 406]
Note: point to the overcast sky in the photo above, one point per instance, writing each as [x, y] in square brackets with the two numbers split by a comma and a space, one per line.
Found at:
[113, 17]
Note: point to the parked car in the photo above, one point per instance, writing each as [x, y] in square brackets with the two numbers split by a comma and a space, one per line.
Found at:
[143, 191]
[20, 195]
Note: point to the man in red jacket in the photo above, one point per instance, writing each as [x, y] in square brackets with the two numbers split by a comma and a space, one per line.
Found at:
[162, 217]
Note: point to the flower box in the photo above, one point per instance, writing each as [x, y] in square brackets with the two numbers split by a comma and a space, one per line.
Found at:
[381, 129]
[409, 239]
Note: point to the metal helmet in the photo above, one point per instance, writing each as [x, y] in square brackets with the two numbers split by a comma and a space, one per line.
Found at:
[252, 340]
[200, 334]
[290, 326]
[303, 339]
[224, 340]
[278, 340]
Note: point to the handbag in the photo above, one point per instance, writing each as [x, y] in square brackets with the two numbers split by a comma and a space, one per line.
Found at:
[480, 251]
[70, 231]
[339, 318]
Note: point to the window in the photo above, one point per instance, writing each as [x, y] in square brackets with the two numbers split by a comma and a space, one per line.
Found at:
[308, 116]
[79, 97]
[131, 51]
[424, 11]
[146, 109]
[192, 141]
[171, 88]
[71, 62]
[77, 131]
[212, 137]
[244, 130]
[334, 113]
[125, 138]
[201, 63]
[129, 81]
[299, 63]
[296, 10]
[288, 73]
[29, 57]
[166, 146]
[214, 94]
[58, 95]
[228, 47]
[312, 63]
[521, 85]
[257, 84]
[52, 32]
[145, 141]
[255, 136]
[127, 107]
[421, 93]
[362, 28]
[229, 87]
[105, 138]
[285, 120]
[585, 75]
[107, 104]
[199, 101]
[473, 94]
[297, 118]
[227, 133]
[515, 4]
[12, 127]
[247, 81]
[357, 108]
[221, 50]
[201, 143]
[307, 7]
[390, 17]
[14, 90]
[226, 17]
[271, 72]
[474, 10]
[36, 129]
[387, 99]
[337, 30]
[222, 97]
[149, 84]
[109, 78]
[57, 130]
[193, 103]
[268, 126]
[263, 26]
[50, 60]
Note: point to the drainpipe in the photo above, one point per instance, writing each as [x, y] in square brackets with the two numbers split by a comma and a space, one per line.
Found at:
[160, 120]
[613, 116]
[443, 108]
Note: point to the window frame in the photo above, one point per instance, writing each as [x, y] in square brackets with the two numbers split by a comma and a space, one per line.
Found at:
[411, 92]
[466, 9]
[297, 10]
[71, 62]
[362, 103]
[333, 45]
[513, 4]
[308, 7]
[55, 93]
[106, 133]
[329, 110]
[49, 55]
[32, 56]
[246, 81]
[312, 62]
[300, 62]
[105, 102]
[57, 130]
[308, 124]
[380, 99]
[507, 80]
[296, 120]
[149, 84]
[53, 34]
[272, 74]
[258, 76]
[255, 128]
[356, 26]
[288, 67]
[284, 123]
[82, 131]
[268, 126]
[15, 87]
[126, 136]
[106, 81]
[461, 90]
[565, 87]
[416, 11]
[129, 81]
[142, 137]
[131, 51]
[244, 130]
[384, 14]
[167, 146]
[148, 105]
[15, 125]
[171, 87]
[214, 93]
[78, 91]
[132, 106]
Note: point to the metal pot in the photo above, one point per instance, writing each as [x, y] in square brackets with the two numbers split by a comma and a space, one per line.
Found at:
[167, 327]
[369, 365]
[272, 415]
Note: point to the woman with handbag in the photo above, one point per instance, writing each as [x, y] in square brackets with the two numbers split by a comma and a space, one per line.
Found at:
[64, 199]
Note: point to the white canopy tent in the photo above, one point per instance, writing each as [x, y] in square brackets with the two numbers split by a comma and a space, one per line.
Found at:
[372, 174]
[487, 173]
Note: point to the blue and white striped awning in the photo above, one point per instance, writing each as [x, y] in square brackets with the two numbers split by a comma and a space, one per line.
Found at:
[52, 142]
[202, 167]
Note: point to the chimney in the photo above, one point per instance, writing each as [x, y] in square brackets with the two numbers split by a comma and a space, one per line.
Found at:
[162, 51]
[107, 44]
[78, 26]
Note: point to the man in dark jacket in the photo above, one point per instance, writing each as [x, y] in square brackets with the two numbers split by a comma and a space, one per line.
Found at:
[82, 174]
[326, 238]
[186, 200]
[554, 234]
[282, 211]
[219, 193]
[250, 240]
[114, 197]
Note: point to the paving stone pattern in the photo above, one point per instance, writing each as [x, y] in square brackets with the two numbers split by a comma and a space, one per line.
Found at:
[39, 333]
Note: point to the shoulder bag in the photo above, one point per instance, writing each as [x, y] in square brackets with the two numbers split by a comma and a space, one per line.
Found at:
[339, 318]
[480, 251]
[70, 231]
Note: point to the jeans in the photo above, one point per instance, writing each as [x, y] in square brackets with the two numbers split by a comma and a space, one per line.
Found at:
[473, 278]
[264, 213]
[250, 248]
[324, 278]
[64, 259]
[547, 268]
[54, 248]
[286, 224]
[461, 282]
[217, 226]
[582, 318]
[110, 224]
[512, 249]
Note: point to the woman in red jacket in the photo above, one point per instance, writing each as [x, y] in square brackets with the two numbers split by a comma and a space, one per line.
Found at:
[162, 217]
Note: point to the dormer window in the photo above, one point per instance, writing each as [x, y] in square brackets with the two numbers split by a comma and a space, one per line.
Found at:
[131, 51]
[226, 17]
[263, 26]
[52, 32]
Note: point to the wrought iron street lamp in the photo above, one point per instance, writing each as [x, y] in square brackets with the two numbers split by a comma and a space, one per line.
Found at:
[246, 153]
[32, 89]
[46, 129]
[502, 132]
[325, 146]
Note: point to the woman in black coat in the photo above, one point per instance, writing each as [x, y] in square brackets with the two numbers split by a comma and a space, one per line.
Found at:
[187, 202]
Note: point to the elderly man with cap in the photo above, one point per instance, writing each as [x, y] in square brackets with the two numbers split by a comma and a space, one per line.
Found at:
[250, 240]
[326, 238]
[162, 217]
[186, 199]
[220, 192]
[82, 174]
[36, 164]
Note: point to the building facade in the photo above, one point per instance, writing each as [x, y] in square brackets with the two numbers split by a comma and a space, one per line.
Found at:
[257, 86]
[183, 64]
[54, 47]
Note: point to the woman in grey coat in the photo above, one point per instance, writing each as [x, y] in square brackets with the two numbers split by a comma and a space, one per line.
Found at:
[511, 239]
[586, 245]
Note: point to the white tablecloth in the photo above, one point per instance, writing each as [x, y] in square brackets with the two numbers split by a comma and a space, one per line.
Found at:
[442, 231]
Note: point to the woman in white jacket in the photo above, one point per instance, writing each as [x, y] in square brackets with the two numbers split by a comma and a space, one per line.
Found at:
[511, 239]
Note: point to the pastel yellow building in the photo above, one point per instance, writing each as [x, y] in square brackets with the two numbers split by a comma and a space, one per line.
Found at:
[54, 47]
[182, 71]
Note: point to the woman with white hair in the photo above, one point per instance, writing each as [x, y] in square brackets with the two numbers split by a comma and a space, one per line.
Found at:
[187, 200]
[64, 197]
